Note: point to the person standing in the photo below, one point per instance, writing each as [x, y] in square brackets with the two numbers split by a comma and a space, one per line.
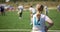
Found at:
[58, 8]
[46, 10]
[2, 10]
[39, 20]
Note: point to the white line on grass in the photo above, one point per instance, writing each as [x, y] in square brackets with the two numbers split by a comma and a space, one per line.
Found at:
[52, 8]
[15, 29]
[22, 30]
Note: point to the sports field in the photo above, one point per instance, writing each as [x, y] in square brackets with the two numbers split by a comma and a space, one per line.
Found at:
[11, 22]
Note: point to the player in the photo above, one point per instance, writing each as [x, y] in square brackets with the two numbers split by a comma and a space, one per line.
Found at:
[39, 20]
[20, 8]
[32, 12]
[2, 10]
[58, 8]
[46, 10]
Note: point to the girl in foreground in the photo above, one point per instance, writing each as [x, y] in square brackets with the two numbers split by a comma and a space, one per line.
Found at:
[39, 20]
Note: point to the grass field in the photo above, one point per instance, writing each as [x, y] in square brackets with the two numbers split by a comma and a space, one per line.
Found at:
[12, 21]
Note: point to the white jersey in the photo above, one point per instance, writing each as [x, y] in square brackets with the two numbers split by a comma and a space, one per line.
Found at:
[32, 10]
[20, 8]
[39, 25]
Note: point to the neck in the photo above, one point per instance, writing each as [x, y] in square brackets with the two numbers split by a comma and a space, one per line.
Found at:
[38, 12]
[38, 15]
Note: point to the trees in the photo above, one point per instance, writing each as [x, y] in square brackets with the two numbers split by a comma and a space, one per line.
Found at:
[1, 1]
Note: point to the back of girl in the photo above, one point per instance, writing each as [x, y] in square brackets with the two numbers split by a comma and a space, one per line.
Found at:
[39, 20]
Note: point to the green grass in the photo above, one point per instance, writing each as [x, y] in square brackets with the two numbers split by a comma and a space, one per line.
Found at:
[14, 31]
[55, 16]
[12, 21]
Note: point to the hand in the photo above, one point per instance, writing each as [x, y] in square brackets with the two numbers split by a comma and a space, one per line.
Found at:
[46, 29]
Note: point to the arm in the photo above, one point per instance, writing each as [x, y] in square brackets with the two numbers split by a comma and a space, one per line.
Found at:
[49, 21]
[30, 12]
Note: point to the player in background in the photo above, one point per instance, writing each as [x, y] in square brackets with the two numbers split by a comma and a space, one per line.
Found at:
[20, 8]
[32, 12]
[39, 20]
[2, 10]
[46, 10]
[58, 8]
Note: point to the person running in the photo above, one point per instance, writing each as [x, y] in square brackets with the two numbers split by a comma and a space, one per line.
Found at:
[39, 20]
[32, 12]
[20, 8]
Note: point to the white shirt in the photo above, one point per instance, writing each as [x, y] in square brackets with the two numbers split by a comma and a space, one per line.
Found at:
[58, 7]
[5, 7]
[20, 8]
[46, 8]
[40, 25]
[32, 10]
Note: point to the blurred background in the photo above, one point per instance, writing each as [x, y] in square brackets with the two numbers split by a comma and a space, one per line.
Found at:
[10, 22]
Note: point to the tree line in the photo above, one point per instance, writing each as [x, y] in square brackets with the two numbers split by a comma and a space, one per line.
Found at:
[28, 0]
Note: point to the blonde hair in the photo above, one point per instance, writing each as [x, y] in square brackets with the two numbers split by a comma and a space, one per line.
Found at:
[39, 9]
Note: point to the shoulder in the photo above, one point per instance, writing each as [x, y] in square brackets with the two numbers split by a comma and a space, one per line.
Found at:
[42, 15]
[30, 8]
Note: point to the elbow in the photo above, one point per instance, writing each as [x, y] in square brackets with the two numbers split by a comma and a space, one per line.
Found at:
[51, 24]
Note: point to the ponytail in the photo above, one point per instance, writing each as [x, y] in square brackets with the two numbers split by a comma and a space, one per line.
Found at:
[40, 9]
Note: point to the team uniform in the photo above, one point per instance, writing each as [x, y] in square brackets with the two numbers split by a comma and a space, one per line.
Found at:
[46, 10]
[20, 8]
[33, 12]
[39, 26]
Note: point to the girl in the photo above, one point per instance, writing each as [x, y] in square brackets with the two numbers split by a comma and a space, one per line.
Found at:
[39, 20]
[20, 8]
[32, 12]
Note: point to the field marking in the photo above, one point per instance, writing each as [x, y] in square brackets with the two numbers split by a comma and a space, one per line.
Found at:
[52, 8]
[22, 30]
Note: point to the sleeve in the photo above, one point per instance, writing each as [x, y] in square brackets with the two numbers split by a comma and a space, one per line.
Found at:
[46, 18]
